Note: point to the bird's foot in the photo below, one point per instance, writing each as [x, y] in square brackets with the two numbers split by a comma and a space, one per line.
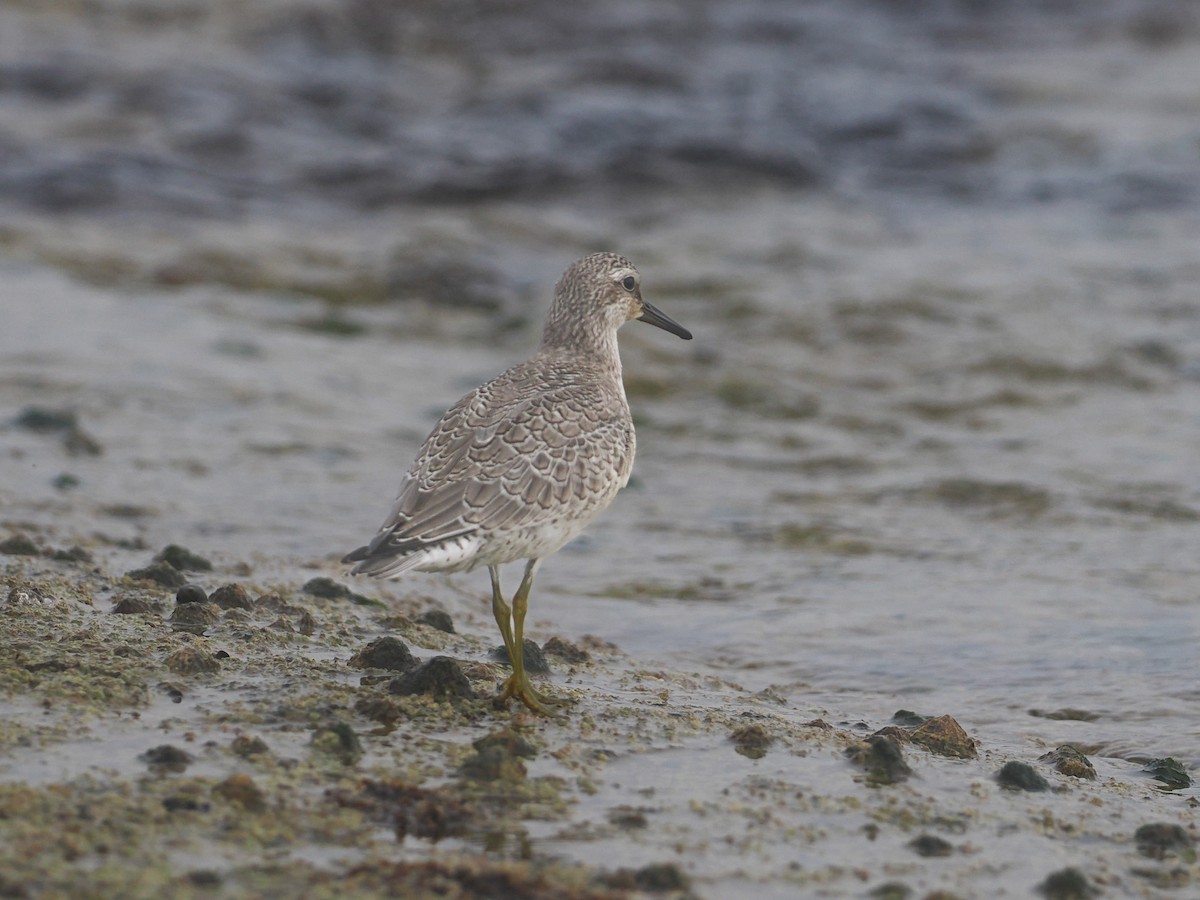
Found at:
[518, 687]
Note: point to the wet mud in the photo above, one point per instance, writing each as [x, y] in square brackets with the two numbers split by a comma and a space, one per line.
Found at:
[900, 601]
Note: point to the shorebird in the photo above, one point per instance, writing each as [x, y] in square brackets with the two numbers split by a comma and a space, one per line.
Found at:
[520, 465]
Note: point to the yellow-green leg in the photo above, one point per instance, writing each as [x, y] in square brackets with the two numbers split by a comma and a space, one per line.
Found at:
[518, 684]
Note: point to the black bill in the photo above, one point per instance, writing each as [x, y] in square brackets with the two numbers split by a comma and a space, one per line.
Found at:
[659, 319]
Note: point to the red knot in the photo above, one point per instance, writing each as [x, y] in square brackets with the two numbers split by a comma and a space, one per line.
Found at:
[520, 465]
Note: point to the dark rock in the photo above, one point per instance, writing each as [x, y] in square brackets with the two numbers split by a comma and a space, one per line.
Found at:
[751, 741]
[1066, 714]
[627, 818]
[906, 718]
[1169, 772]
[566, 651]
[891, 890]
[660, 877]
[247, 747]
[183, 559]
[338, 740]
[1067, 760]
[134, 605]
[930, 845]
[19, 545]
[509, 740]
[945, 737]
[241, 790]
[192, 661]
[492, 763]
[42, 419]
[65, 481]
[882, 759]
[1067, 884]
[384, 653]
[232, 596]
[184, 804]
[166, 758]
[159, 573]
[73, 554]
[329, 589]
[191, 593]
[535, 660]
[438, 677]
[1019, 776]
[435, 618]
[1161, 839]
[79, 443]
[205, 879]
[192, 616]
[307, 624]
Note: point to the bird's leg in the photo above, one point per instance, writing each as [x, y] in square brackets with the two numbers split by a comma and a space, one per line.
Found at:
[501, 611]
[518, 684]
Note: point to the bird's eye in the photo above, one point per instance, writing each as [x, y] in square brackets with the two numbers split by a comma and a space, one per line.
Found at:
[628, 282]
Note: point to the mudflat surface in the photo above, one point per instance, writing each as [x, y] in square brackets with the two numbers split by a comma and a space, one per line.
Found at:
[931, 454]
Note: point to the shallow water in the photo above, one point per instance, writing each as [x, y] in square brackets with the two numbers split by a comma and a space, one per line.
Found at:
[933, 446]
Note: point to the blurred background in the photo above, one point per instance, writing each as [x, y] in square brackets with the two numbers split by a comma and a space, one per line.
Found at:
[934, 444]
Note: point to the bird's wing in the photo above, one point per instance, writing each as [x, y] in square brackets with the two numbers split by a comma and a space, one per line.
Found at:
[506, 457]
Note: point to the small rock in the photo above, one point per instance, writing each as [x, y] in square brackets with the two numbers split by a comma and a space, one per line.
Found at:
[1019, 776]
[273, 602]
[182, 559]
[535, 660]
[1067, 714]
[1161, 839]
[19, 545]
[1067, 760]
[329, 589]
[130, 604]
[435, 618]
[44, 419]
[660, 877]
[205, 879]
[184, 803]
[232, 596]
[191, 593]
[751, 741]
[74, 553]
[566, 651]
[627, 818]
[509, 740]
[882, 759]
[246, 746]
[79, 443]
[1067, 884]
[439, 677]
[340, 741]
[65, 481]
[191, 661]
[378, 708]
[166, 758]
[906, 718]
[1169, 772]
[945, 737]
[159, 573]
[384, 653]
[891, 890]
[307, 623]
[192, 616]
[930, 845]
[241, 790]
[492, 764]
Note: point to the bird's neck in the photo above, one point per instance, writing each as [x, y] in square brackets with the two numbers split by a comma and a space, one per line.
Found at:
[575, 341]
